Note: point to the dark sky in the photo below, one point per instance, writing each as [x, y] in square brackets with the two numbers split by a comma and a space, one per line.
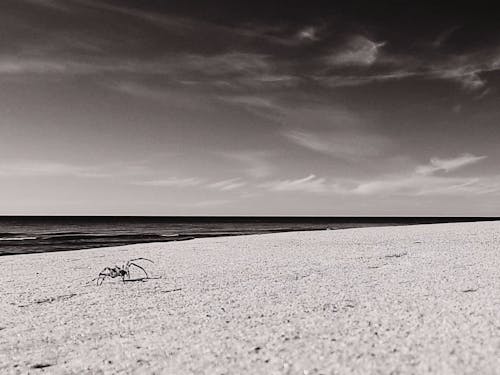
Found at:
[258, 108]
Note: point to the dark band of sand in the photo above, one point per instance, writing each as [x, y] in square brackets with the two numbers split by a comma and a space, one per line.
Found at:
[418, 299]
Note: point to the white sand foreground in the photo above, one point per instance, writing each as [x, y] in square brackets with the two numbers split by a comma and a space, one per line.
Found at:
[410, 300]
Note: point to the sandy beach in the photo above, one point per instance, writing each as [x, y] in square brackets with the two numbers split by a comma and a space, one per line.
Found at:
[410, 300]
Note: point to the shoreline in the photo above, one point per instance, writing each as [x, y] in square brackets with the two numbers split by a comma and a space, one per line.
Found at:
[180, 237]
[409, 299]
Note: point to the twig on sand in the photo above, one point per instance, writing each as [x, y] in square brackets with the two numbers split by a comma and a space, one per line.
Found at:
[58, 298]
[171, 290]
[144, 279]
[41, 365]
[50, 299]
[397, 255]
[469, 290]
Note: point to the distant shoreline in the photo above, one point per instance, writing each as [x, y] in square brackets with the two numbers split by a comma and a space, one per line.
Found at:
[95, 232]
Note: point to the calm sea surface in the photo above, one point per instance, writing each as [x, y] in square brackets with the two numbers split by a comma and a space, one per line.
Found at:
[30, 234]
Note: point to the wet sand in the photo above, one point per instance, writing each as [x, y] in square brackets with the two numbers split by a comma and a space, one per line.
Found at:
[416, 299]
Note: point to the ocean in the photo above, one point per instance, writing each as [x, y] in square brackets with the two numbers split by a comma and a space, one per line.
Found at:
[38, 234]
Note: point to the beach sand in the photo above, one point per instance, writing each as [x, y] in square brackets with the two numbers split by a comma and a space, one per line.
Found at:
[416, 299]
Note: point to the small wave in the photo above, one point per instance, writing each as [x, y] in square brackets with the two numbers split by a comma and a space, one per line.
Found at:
[92, 236]
[11, 234]
[55, 234]
[68, 236]
[17, 238]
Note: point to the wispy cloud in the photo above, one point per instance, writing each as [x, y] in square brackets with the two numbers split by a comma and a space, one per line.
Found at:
[409, 185]
[415, 185]
[256, 163]
[444, 36]
[227, 185]
[51, 4]
[309, 33]
[176, 24]
[207, 203]
[468, 76]
[69, 66]
[224, 64]
[228, 63]
[252, 101]
[447, 165]
[421, 182]
[50, 169]
[424, 181]
[339, 144]
[234, 69]
[358, 50]
[173, 182]
[261, 105]
[229, 71]
[374, 64]
[11, 66]
[343, 80]
[160, 20]
[195, 182]
[167, 96]
[184, 182]
[309, 184]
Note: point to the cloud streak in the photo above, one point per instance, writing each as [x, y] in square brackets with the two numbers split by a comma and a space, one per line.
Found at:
[467, 69]
[256, 163]
[50, 169]
[174, 182]
[309, 184]
[340, 144]
[228, 185]
[419, 185]
[448, 165]
[358, 51]
[423, 181]
[309, 33]
[51, 4]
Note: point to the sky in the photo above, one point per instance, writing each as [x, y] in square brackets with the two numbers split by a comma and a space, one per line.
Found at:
[321, 108]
